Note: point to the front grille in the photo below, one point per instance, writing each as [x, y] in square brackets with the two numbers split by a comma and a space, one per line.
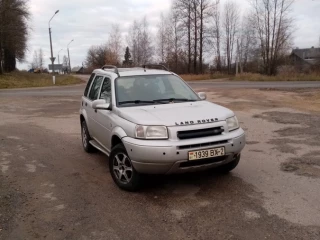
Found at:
[200, 133]
[202, 162]
[200, 145]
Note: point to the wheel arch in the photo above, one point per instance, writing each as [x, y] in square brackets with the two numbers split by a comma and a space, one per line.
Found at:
[117, 134]
[83, 116]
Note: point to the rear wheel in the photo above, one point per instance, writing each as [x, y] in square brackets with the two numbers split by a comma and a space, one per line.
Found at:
[122, 170]
[230, 166]
[86, 138]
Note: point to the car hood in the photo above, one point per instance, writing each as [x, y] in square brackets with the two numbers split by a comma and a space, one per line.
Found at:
[176, 114]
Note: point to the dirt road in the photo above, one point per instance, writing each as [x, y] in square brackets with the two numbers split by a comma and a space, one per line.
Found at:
[51, 189]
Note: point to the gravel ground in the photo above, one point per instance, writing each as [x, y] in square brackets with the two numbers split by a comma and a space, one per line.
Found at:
[51, 189]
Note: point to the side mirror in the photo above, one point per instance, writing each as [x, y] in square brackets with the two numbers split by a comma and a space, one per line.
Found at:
[202, 95]
[100, 104]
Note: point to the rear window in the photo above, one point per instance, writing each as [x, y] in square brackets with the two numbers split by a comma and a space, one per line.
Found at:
[88, 85]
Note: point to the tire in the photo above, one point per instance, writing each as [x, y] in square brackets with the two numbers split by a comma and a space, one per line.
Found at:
[85, 137]
[225, 169]
[122, 171]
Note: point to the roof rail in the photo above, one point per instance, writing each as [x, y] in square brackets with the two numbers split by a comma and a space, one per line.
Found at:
[111, 67]
[155, 65]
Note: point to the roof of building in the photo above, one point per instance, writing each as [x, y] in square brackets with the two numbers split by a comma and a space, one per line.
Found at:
[76, 69]
[307, 53]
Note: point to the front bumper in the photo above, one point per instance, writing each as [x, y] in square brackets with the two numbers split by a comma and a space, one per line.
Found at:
[166, 157]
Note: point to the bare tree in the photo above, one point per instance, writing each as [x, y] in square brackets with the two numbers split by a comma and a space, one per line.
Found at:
[230, 24]
[140, 42]
[273, 25]
[114, 46]
[146, 43]
[40, 59]
[162, 38]
[175, 34]
[134, 39]
[65, 61]
[34, 64]
[247, 42]
[184, 9]
[205, 10]
[217, 34]
[96, 56]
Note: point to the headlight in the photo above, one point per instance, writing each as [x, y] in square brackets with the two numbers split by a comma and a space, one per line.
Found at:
[233, 123]
[151, 132]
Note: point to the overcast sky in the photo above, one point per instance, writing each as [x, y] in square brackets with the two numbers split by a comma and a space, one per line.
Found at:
[88, 23]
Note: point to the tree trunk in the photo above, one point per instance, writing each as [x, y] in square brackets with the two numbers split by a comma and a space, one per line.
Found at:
[201, 38]
[1, 60]
[189, 38]
[195, 56]
[9, 61]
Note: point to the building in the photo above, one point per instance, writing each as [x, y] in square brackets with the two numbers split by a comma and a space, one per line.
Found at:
[77, 70]
[306, 57]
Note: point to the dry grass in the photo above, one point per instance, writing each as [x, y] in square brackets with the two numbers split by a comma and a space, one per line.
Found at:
[279, 77]
[25, 80]
[253, 77]
[193, 77]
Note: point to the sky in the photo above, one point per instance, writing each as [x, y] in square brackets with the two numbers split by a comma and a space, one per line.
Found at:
[88, 22]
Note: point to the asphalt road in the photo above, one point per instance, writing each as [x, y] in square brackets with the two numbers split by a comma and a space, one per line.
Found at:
[78, 90]
[51, 189]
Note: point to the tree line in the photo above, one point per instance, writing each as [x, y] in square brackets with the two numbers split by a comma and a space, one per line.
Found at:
[197, 36]
[14, 16]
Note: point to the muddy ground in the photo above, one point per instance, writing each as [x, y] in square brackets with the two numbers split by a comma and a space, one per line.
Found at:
[51, 189]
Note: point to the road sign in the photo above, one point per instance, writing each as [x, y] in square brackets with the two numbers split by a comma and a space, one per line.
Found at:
[57, 67]
[52, 59]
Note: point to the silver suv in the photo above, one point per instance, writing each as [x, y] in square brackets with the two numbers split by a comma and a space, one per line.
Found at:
[149, 121]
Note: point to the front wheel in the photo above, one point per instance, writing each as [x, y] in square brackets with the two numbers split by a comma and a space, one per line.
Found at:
[122, 170]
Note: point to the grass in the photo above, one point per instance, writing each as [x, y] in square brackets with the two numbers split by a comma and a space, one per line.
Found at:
[279, 77]
[26, 80]
[254, 77]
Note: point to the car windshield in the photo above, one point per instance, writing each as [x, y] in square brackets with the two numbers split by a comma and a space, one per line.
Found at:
[152, 89]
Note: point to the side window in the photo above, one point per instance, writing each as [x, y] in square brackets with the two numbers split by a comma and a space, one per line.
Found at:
[88, 85]
[94, 92]
[106, 90]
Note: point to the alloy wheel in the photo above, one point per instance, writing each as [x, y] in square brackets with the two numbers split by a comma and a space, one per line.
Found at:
[122, 168]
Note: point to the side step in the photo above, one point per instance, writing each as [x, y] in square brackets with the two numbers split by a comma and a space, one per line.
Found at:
[97, 146]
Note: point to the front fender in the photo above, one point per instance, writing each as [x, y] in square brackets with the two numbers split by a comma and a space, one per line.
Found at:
[119, 132]
[83, 113]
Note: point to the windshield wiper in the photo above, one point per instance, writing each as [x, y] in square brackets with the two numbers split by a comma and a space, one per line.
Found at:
[174, 100]
[136, 102]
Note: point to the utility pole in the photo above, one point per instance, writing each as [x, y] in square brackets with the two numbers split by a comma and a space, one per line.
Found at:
[52, 58]
[69, 55]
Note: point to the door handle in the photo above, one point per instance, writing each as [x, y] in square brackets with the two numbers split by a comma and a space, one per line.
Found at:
[95, 111]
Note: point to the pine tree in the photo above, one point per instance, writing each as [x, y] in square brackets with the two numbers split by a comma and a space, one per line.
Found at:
[127, 57]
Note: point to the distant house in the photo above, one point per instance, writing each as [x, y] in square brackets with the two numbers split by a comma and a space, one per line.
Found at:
[77, 70]
[305, 57]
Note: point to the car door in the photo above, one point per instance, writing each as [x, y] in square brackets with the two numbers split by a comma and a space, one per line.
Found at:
[93, 95]
[104, 117]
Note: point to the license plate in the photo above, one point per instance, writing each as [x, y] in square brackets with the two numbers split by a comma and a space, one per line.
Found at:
[209, 153]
